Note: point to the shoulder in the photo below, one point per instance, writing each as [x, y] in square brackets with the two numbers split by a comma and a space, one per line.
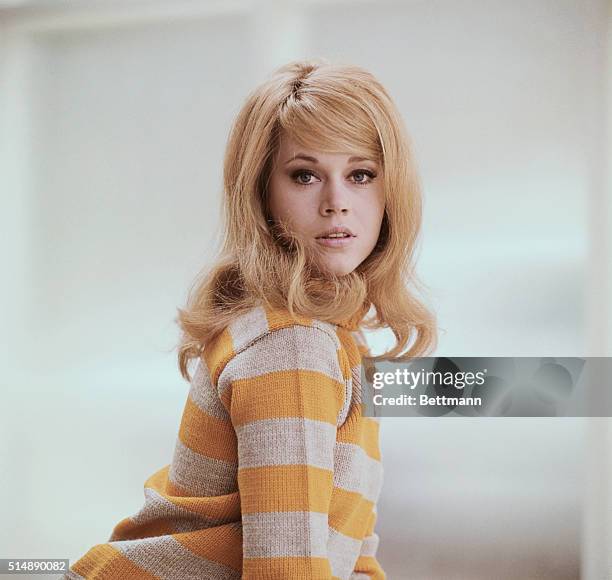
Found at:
[308, 356]
[262, 327]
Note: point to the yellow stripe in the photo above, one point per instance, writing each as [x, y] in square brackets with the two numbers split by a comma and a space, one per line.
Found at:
[349, 513]
[369, 565]
[221, 544]
[215, 507]
[127, 529]
[349, 345]
[105, 562]
[207, 435]
[371, 524]
[285, 488]
[273, 395]
[286, 567]
[217, 352]
[278, 318]
[367, 437]
[370, 437]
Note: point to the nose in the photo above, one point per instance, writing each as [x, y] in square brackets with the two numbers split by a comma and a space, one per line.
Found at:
[334, 199]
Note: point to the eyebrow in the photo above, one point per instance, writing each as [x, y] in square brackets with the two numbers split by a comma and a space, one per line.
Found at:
[315, 160]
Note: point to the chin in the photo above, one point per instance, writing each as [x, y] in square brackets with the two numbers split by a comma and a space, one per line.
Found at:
[341, 270]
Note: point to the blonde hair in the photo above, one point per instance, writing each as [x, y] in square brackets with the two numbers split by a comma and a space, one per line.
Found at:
[328, 107]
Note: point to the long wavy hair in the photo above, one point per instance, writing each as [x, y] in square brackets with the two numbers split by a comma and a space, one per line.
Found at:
[328, 107]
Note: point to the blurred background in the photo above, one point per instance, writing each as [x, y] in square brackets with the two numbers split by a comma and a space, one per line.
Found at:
[113, 122]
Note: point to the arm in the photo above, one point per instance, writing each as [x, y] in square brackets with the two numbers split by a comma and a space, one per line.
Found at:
[367, 565]
[284, 394]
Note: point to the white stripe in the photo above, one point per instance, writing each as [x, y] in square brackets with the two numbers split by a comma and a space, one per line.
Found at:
[355, 470]
[167, 558]
[343, 553]
[248, 326]
[200, 475]
[286, 349]
[286, 441]
[278, 534]
[158, 507]
[204, 394]
[329, 328]
[356, 377]
[370, 545]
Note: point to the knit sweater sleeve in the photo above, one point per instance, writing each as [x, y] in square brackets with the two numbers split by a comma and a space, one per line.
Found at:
[285, 395]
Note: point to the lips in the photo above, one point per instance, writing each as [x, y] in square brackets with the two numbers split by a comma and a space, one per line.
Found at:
[336, 230]
[336, 242]
[334, 237]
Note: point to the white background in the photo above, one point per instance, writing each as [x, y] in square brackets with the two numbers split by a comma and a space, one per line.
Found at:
[113, 122]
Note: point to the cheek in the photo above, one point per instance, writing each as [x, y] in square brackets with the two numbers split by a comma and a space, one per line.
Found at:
[290, 205]
[286, 208]
[291, 209]
[372, 215]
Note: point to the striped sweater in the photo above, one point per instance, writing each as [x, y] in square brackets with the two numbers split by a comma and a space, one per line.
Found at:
[276, 472]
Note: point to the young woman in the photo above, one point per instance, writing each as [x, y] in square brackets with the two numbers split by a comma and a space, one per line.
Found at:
[276, 472]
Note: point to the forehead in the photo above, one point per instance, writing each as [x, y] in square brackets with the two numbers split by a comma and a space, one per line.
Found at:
[289, 148]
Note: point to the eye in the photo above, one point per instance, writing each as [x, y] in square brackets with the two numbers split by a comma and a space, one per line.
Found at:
[296, 176]
[364, 172]
[363, 177]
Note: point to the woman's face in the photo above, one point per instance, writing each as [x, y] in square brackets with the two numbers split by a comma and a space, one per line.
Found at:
[313, 192]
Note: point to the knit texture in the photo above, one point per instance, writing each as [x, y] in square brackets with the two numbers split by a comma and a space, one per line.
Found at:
[276, 472]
